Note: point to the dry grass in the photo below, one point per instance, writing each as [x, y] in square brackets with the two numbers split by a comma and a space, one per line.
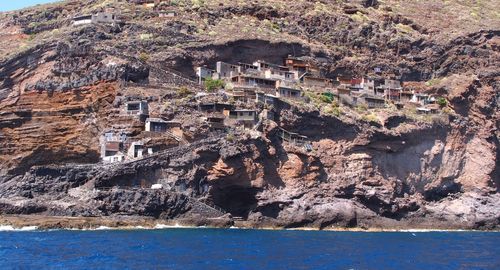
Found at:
[448, 19]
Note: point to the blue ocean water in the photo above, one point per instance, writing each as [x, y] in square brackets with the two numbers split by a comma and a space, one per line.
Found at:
[247, 249]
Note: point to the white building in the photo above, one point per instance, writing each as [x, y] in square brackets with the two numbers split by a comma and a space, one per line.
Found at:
[101, 17]
[136, 150]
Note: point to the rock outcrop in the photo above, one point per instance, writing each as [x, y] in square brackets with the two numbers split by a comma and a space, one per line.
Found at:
[63, 86]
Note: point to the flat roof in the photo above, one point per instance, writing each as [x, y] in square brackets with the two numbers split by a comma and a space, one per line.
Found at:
[158, 120]
[135, 101]
[423, 109]
[317, 78]
[288, 88]
[82, 17]
[255, 77]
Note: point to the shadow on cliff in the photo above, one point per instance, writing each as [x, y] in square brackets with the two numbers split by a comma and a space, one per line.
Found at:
[43, 156]
[496, 173]
[412, 159]
[236, 193]
[245, 51]
[316, 126]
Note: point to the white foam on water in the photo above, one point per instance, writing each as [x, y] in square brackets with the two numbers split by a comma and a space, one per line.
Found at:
[160, 226]
[103, 228]
[9, 228]
[430, 230]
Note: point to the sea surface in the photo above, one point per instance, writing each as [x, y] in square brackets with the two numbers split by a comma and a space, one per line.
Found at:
[247, 249]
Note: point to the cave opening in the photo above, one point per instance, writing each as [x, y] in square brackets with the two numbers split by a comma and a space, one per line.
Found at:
[236, 200]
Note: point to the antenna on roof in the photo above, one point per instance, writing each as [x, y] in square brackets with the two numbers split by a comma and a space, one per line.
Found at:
[293, 48]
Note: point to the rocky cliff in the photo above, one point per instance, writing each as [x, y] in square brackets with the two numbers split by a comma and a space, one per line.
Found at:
[62, 86]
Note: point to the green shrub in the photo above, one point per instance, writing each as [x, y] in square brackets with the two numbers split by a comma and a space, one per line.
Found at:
[441, 101]
[362, 107]
[370, 118]
[212, 85]
[333, 110]
[143, 57]
[326, 98]
[183, 91]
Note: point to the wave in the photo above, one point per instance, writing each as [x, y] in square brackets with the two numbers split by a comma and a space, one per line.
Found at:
[103, 228]
[160, 226]
[9, 228]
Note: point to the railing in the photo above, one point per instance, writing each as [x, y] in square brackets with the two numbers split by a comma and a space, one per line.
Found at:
[211, 205]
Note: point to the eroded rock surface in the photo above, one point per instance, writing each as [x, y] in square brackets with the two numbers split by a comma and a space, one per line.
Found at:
[61, 87]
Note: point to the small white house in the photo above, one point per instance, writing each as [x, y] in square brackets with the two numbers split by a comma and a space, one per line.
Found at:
[136, 150]
[156, 125]
[137, 108]
[113, 159]
[101, 17]
[157, 186]
[203, 73]
[86, 19]
[111, 146]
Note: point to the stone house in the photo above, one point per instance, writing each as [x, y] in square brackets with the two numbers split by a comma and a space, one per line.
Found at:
[390, 90]
[242, 93]
[311, 81]
[215, 122]
[367, 85]
[214, 107]
[241, 114]
[245, 68]
[263, 66]
[281, 75]
[226, 70]
[343, 90]
[243, 117]
[265, 99]
[344, 80]
[371, 101]
[111, 147]
[406, 96]
[301, 66]
[253, 81]
[285, 92]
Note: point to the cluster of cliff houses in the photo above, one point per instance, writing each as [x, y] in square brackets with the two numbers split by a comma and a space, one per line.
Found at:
[253, 92]
[116, 146]
[267, 82]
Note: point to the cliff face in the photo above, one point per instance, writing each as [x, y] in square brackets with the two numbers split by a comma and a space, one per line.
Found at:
[63, 86]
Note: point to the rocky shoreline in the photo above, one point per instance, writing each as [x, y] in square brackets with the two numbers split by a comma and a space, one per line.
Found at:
[62, 92]
[39, 222]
